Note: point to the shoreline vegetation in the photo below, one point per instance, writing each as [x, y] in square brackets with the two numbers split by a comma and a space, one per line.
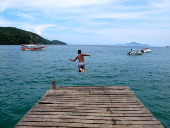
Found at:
[15, 36]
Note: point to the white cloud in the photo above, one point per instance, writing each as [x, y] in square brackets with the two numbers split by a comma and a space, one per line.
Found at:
[126, 15]
[39, 30]
[161, 3]
[25, 15]
[73, 3]
[88, 8]
[4, 4]
[6, 23]
[104, 18]
[48, 4]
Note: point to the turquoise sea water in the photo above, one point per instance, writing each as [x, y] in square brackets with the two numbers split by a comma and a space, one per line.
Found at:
[25, 76]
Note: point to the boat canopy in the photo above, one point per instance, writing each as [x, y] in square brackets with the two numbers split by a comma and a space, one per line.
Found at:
[29, 45]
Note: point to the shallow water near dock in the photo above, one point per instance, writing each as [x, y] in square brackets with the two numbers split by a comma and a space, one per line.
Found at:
[25, 76]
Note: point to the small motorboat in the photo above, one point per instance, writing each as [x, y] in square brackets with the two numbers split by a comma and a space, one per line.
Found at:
[134, 52]
[146, 50]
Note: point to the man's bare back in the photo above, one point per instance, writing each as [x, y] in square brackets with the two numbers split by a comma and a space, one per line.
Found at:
[80, 57]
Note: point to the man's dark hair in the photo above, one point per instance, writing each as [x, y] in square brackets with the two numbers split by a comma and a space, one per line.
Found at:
[79, 51]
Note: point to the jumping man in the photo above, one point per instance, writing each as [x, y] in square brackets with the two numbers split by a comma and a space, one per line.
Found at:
[81, 64]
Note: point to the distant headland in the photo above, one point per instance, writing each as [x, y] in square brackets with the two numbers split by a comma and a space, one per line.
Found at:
[132, 44]
[15, 36]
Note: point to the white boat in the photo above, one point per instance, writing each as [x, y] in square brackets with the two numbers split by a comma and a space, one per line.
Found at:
[134, 52]
[32, 47]
[145, 50]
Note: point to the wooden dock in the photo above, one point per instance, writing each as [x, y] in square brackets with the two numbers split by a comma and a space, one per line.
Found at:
[89, 106]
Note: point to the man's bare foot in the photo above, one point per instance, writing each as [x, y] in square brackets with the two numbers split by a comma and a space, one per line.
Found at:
[82, 70]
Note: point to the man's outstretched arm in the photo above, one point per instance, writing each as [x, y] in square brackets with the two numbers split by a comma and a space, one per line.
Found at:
[87, 55]
[73, 60]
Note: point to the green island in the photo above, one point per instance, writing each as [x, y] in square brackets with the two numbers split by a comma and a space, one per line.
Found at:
[15, 36]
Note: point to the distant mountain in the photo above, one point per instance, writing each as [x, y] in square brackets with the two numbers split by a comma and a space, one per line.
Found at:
[15, 36]
[132, 44]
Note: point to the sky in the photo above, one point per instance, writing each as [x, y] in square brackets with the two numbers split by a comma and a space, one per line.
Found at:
[91, 22]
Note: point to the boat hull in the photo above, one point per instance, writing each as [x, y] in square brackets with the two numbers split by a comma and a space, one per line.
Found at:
[135, 53]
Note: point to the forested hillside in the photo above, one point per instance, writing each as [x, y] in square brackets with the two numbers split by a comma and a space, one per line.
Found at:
[15, 36]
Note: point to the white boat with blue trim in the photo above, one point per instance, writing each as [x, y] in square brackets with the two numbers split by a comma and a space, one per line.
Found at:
[134, 52]
[146, 50]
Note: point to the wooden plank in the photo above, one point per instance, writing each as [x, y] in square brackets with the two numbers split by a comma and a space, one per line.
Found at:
[89, 106]
[93, 114]
[91, 101]
[110, 121]
[91, 117]
[94, 106]
[88, 103]
[92, 87]
[103, 98]
[93, 98]
[56, 124]
[134, 126]
[85, 111]
[70, 124]
[61, 95]
[92, 92]
[87, 96]
[113, 98]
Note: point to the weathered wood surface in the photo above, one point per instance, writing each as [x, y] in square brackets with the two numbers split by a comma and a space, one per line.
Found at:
[89, 106]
